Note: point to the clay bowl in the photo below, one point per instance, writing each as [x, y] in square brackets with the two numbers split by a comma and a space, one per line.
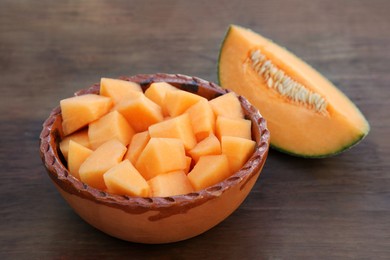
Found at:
[156, 219]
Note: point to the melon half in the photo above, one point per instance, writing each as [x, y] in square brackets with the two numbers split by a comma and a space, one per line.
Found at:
[306, 114]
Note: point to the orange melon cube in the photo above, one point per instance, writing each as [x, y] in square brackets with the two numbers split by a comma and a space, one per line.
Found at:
[238, 150]
[227, 105]
[209, 170]
[161, 155]
[208, 146]
[177, 102]
[129, 96]
[140, 112]
[157, 91]
[118, 89]
[77, 155]
[79, 111]
[124, 179]
[80, 137]
[202, 119]
[101, 160]
[177, 127]
[189, 164]
[111, 126]
[225, 126]
[170, 184]
[137, 144]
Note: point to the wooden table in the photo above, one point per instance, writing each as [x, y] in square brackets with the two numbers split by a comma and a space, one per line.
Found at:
[335, 208]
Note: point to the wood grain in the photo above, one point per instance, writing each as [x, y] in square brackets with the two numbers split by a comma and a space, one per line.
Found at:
[335, 208]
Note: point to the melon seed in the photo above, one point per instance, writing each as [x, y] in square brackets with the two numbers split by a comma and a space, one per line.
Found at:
[277, 79]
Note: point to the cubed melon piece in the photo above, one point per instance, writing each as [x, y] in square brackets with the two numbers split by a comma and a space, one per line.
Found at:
[238, 127]
[111, 126]
[209, 170]
[118, 89]
[161, 155]
[157, 91]
[79, 111]
[77, 155]
[202, 119]
[129, 96]
[124, 179]
[80, 137]
[140, 112]
[101, 160]
[208, 146]
[137, 144]
[238, 150]
[189, 164]
[177, 102]
[177, 127]
[170, 184]
[227, 105]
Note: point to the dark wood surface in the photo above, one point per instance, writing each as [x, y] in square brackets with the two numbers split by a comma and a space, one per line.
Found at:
[335, 208]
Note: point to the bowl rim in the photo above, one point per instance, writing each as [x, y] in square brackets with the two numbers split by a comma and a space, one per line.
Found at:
[53, 159]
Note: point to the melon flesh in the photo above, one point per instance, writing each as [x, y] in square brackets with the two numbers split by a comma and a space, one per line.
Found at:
[296, 125]
[208, 146]
[170, 184]
[161, 155]
[167, 155]
[77, 155]
[209, 170]
[118, 89]
[157, 91]
[178, 127]
[80, 137]
[101, 160]
[124, 179]
[138, 143]
[140, 112]
[79, 111]
[238, 150]
[227, 105]
[177, 102]
[202, 119]
[225, 126]
[111, 126]
[189, 164]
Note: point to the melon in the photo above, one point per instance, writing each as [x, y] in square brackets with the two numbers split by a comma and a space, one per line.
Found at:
[77, 155]
[111, 126]
[208, 146]
[79, 111]
[209, 170]
[177, 127]
[157, 91]
[227, 105]
[80, 137]
[137, 145]
[170, 184]
[118, 89]
[177, 102]
[161, 155]
[133, 148]
[101, 160]
[124, 179]
[238, 150]
[202, 119]
[140, 112]
[238, 127]
[189, 164]
[306, 114]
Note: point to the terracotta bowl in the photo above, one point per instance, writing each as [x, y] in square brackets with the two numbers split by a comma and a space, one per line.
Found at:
[156, 219]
